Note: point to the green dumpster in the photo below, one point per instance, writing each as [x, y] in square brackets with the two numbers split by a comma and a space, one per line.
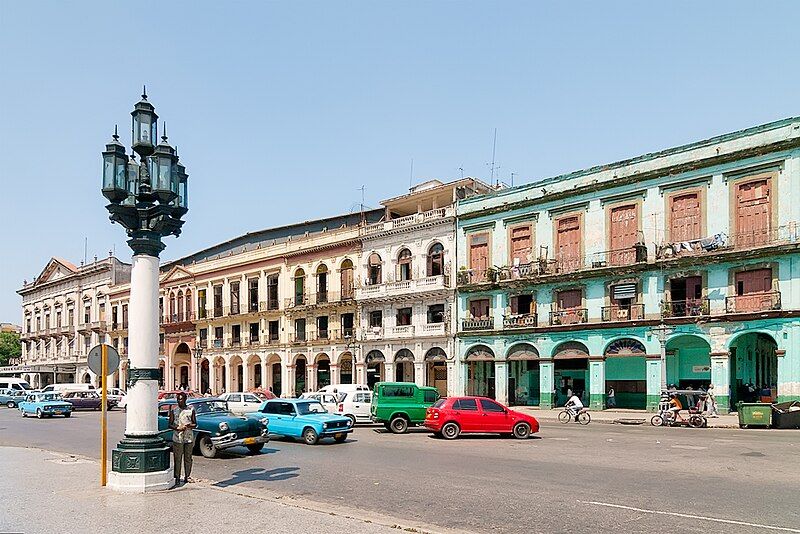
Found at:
[754, 414]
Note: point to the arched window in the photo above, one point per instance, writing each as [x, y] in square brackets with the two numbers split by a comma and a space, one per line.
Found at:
[180, 306]
[322, 283]
[299, 287]
[347, 279]
[188, 304]
[436, 260]
[374, 270]
[173, 308]
[404, 265]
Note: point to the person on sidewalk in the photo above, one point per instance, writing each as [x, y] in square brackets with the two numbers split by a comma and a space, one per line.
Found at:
[711, 402]
[612, 399]
[182, 419]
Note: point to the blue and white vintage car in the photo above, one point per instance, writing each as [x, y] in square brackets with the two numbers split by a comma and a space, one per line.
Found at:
[303, 418]
[12, 397]
[45, 404]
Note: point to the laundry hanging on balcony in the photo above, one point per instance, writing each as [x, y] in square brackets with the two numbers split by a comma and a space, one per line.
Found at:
[707, 244]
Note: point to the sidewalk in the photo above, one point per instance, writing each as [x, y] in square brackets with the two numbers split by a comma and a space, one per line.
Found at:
[620, 416]
[48, 492]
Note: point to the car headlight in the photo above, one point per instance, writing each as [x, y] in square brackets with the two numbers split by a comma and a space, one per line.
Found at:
[223, 427]
[264, 421]
[324, 425]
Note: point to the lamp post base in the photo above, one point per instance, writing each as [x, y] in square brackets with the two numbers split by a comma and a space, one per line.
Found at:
[141, 465]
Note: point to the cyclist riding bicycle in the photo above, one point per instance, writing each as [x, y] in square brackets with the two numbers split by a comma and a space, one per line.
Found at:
[575, 406]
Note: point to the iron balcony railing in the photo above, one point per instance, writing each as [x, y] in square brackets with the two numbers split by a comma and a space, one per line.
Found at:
[217, 343]
[202, 313]
[269, 305]
[520, 320]
[477, 324]
[218, 311]
[298, 337]
[753, 302]
[686, 308]
[788, 234]
[630, 312]
[569, 316]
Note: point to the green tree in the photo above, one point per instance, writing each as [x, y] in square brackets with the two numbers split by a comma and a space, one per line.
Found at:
[10, 347]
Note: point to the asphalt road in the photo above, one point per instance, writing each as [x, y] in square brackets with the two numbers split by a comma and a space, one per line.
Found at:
[597, 478]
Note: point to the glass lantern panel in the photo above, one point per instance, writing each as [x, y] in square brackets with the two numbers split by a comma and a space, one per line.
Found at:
[108, 171]
[142, 128]
[183, 199]
[133, 184]
[121, 164]
[164, 174]
[153, 131]
[152, 168]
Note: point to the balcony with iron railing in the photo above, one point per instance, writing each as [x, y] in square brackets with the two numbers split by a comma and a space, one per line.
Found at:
[569, 316]
[269, 305]
[432, 329]
[477, 324]
[388, 289]
[629, 312]
[753, 302]
[98, 326]
[373, 333]
[177, 318]
[298, 338]
[788, 234]
[401, 331]
[685, 308]
[218, 311]
[408, 220]
[520, 320]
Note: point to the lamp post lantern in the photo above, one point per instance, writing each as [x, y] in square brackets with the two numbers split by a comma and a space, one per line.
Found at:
[198, 357]
[148, 199]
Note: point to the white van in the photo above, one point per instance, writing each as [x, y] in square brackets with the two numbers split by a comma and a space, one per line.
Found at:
[344, 388]
[9, 382]
[61, 388]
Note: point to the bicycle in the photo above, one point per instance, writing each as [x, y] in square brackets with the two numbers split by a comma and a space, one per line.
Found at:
[569, 414]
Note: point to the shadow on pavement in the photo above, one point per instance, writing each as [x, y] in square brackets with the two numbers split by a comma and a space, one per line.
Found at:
[462, 437]
[259, 474]
[234, 452]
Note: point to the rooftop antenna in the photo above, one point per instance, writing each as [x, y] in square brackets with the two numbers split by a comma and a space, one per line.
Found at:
[493, 166]
[85, 249]
[461, 170]
[362, 188]
[512, 178]
[411, 175]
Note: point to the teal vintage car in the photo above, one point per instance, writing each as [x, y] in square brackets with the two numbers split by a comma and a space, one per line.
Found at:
[45, 404]
[12, 397]
[217, 428]
[303, 418]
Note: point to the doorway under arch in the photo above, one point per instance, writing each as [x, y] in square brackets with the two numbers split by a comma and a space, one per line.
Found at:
[404, 366]
[436, 370]
[375, 367]
[523, 375]
[346, 368]
[300, 365]
[753, 368]
[626, 372]
[323, 369]
[571, 372]
[480, 372]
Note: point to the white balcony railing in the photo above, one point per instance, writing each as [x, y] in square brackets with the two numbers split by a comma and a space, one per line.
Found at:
[432, 329]
[408, 220]
[388, 289]
[402, 331]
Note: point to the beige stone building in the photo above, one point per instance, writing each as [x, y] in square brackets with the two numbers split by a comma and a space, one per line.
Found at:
[65, 312]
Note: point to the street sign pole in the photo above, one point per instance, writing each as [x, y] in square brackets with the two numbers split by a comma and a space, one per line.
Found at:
[104, 423]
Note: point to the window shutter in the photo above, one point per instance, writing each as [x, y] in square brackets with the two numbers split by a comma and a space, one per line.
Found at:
[624, 291]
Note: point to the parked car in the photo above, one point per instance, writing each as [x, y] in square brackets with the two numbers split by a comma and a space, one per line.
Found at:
[241, 403]
[263, 394]
[355, 405]
[12, 397]
[454, 416]
[116, 395]
[217, 428]
[63, 388]
[171, 394]
[399, 405]
[343, 388]
[86, 400]
[45, 404]
[304, 418]
[10, 382]
[329, 400]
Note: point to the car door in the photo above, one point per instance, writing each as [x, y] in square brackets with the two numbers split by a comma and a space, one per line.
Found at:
[361, 403]
[290, 426]
[328, 400]
[250, 403]
[494, 417]
[467, 415]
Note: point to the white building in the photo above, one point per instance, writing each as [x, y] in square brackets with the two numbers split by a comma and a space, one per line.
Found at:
[64, 314]
[406, 292]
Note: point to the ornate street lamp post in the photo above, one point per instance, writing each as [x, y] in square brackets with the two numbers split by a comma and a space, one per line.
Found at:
[198, 356]
[148, 199]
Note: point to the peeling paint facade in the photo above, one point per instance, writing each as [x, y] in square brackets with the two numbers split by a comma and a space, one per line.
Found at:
[565, 284]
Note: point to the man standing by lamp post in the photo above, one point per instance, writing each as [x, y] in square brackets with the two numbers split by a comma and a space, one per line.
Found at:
[148, 199]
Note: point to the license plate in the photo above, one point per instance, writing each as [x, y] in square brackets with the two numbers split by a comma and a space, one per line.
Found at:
[338, 435]
[249, 441]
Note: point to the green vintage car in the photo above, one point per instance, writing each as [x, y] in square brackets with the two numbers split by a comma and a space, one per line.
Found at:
[400, 404]
[217, 428]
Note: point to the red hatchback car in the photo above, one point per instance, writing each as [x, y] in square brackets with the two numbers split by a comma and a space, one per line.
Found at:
[455, 415]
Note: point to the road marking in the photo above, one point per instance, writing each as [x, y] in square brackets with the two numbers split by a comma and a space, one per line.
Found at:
[690, 447]
[690, 516]
[559, 439]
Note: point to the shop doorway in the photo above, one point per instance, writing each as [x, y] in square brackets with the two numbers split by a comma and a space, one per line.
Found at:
[375, 367]
[688, 362]
[754, 369]
[480, 372]
[523, 375]
[571, 372]
[436, 370]
[404, 366]
[626, 372]
[299, 375]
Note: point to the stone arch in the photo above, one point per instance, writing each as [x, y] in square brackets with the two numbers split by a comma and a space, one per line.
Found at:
[624, 346]
[522, 351]
[376, 367]
[435, 258]
[626, 372]
[322, 365]
[180, 366]
[404, 365]
[345, 362]
[480, 371]
[688, 361]
[571, 367]
[274, 373]
[523, 374]
[236, 368]
[754, 366]
[436, 369]
[300, 363]
[478, 353]
[220, 369]
[374, 269]
[254, 377]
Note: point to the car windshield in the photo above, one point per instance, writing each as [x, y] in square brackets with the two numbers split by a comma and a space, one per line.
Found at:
[48, 397]
[305, 408]
[210, 407]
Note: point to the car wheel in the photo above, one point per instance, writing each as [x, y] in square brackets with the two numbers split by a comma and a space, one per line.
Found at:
[450, 430]
[255, 448]
[39, 413]
[310, 436]
[68, 414]
[522, 430]
[24, 413]
[352, 419]
[398, 425]
[207, 448]
[11, 404]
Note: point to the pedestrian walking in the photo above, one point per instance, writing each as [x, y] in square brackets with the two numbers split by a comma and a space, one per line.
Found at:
[691, 400]
[612, 399]
[182, 419]
[711, 402]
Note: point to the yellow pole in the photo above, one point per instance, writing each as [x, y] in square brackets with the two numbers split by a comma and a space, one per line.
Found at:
[104, 421]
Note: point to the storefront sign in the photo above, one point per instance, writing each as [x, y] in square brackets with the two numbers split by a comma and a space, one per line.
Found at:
[697, 369]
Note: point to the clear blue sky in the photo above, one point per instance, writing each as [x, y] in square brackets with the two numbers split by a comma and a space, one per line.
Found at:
[283, 110]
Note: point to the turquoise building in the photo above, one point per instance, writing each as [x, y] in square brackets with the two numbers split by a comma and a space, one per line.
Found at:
[679, 267]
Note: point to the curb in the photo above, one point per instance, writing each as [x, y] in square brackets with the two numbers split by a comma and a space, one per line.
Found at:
[644, 422]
